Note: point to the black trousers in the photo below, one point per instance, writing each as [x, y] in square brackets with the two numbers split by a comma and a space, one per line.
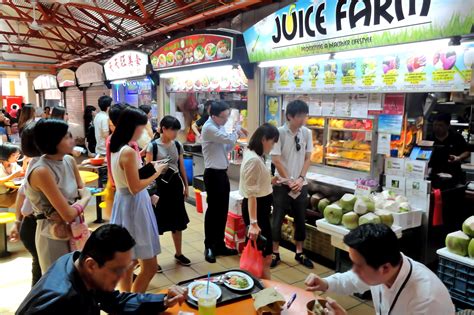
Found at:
[218, 190]
[27, 235]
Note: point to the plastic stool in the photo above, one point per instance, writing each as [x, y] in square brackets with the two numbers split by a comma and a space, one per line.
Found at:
[5, 217]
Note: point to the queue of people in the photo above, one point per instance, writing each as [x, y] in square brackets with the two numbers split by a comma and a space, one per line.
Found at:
[146, 198]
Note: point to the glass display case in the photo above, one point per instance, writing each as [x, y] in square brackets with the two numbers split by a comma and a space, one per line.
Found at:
[342, 142]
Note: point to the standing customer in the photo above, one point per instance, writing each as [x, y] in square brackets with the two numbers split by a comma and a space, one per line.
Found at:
[27, 115]
[55, 190]
[147, 135]
[291, 157]
[89, 130]
[58, 113]
[216, 143]
[25, 222]
[132, 205]
[101, 124]
[256, 188]
[172, 186]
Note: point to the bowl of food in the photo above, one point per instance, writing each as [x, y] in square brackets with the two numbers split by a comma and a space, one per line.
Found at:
[98, 161]
[316, 307]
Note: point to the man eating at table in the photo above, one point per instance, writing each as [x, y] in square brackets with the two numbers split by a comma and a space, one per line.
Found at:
[84, 282]
[399, 285]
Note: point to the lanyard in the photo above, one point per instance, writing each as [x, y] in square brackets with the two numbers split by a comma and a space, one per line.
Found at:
[398, 293]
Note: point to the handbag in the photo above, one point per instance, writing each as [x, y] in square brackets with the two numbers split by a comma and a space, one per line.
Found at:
[252, 259]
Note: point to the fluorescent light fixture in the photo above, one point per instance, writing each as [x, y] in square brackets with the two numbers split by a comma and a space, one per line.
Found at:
[118, 82]
[294, 61]
[427, 46]
[197, 72]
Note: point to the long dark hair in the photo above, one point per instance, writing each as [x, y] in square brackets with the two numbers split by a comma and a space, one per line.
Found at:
[129, 120]
[265, 131]
[28, 144]
[27, 114]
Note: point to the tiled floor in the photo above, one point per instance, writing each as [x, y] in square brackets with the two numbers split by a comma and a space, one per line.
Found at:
[15, 271]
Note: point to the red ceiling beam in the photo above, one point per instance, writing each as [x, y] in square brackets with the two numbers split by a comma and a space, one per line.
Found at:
[28, 64]
[46, 37]
[70, 52]
[181, 4]
[105, 11]
[146, 15]
[34, 55]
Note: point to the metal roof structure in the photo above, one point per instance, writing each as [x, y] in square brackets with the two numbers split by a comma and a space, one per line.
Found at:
[67, 33]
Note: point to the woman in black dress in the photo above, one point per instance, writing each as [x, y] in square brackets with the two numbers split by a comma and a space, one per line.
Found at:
[172, 185]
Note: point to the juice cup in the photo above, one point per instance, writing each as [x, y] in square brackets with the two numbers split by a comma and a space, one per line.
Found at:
[207, 302]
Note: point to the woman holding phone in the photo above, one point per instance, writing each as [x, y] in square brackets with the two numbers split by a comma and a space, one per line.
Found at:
[172, 186]
[256, 188]
[132, 205]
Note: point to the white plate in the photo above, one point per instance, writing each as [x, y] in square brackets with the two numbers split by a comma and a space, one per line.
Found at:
[241, 274]
[212, 287]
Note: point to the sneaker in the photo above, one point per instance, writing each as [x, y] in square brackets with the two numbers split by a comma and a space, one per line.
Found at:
[158, 269]
[182, 260]
[305, 261]
[275, 260]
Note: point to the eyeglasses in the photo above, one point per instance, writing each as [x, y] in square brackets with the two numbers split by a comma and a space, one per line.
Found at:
[298, 145]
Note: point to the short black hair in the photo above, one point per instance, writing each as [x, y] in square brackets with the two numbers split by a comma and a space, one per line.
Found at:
[443, 117]
[6, 150]
[28, 145]
[217, 107]
[377, 243]
[104, 102]
[170, 122]
[265, 131]
[46, 107]
[129, 120]
[58, 113]
[145, 108]
[296, 107]
[104, 242]
[49, 133]
[115, 111]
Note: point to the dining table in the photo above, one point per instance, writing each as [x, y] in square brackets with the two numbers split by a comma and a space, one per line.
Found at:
[246, 307]
[91, 173]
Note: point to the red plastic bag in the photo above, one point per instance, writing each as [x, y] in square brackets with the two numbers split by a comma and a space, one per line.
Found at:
[252, 259]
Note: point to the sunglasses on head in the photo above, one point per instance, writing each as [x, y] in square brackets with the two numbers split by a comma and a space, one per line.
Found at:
[298, 145]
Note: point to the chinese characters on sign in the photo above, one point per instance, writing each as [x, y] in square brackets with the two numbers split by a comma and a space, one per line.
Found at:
[126, 64]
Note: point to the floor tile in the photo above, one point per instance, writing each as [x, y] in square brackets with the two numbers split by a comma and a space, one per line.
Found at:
[347, 302]
[361, 309]
[181, 273]
[290, 275]
[203, 268]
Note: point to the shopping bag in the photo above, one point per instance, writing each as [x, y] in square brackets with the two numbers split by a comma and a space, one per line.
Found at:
[80, 233]
[252, 259]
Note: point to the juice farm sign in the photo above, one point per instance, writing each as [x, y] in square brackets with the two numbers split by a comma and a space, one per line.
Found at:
[310, 27]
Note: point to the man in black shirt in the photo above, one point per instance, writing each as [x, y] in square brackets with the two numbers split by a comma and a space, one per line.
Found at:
[84, 282]
[197, 125]
[451, 144]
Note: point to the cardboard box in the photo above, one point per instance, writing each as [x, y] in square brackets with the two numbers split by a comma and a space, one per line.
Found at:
[235, 202]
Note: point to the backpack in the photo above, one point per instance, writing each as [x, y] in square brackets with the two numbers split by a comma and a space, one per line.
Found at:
[155, 149]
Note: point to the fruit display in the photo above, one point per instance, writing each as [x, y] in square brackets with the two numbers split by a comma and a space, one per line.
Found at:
[316, 122]
[359, 124]
[462, 242]
[317, 154]
[352, 211]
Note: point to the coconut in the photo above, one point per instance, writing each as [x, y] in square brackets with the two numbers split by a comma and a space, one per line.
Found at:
[323, 204]
[470, 248]
[457, 243]
[333, 214]
[385, 216]
[314, 200]
[391, 205]
[401, 199]
[369, 218]
[347, 202]
[468, 226]
[404, 207]
[350, 220]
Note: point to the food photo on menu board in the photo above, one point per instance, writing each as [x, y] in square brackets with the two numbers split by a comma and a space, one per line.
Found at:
[192, 50]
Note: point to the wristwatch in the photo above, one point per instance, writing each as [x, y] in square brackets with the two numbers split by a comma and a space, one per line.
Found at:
[253, 222]
[301, 176]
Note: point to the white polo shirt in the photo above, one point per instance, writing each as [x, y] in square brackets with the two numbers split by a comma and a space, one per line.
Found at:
[291, 158]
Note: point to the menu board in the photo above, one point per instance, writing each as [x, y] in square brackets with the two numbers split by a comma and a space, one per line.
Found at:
[273, 110]
[126, 64]
[66, 77]
[448, 69]
[192, 50]
[45, 82]
[232, 80]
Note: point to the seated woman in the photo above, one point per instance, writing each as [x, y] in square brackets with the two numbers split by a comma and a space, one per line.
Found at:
[9, 170]
[55, 190]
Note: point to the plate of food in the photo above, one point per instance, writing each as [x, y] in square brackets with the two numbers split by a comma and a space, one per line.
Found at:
[238, 281]
[199, 53]
[170, 59]
[211, 51]
[179, 56]
[223, 49]
[195, 286]
[162, 60]
[18, 181]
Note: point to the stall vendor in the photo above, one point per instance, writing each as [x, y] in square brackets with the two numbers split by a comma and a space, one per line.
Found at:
[197, 125]
[450, 148]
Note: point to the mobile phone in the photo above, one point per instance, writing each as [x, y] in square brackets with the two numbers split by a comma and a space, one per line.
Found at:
[163, 161]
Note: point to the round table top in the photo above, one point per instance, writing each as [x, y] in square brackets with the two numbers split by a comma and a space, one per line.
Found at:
[246, 306]
[11, 185]
[88, 177]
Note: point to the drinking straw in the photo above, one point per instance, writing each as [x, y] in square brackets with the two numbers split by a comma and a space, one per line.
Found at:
[208, 280]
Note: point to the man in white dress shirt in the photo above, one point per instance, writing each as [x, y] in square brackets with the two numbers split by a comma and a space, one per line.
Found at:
[399, 285]
[101, 124]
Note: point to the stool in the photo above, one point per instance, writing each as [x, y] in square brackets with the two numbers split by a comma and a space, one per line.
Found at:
[102, 205]
[5, 217]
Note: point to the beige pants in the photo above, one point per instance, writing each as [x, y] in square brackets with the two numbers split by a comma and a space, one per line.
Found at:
[49, 250]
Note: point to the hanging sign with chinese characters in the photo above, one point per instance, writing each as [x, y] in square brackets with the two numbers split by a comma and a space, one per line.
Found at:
[66, 77]
[45, 82]
[89, 72]
[126, 64]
